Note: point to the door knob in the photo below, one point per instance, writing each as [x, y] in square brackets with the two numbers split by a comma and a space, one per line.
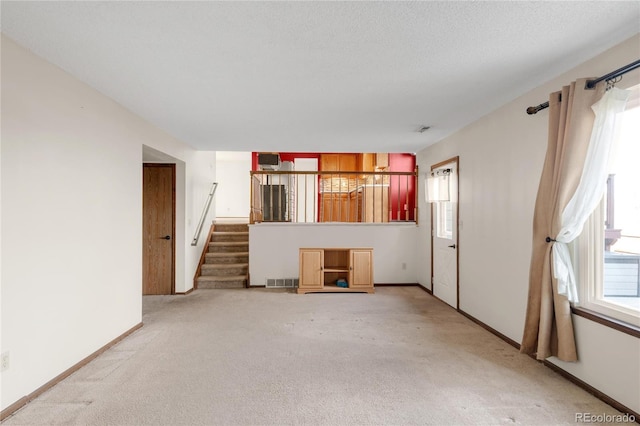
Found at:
[452, 246]
[166, 237]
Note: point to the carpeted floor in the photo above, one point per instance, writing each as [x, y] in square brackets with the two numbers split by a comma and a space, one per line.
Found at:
[272, 357]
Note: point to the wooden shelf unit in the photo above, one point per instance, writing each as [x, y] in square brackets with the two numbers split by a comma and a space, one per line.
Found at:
[320, 268]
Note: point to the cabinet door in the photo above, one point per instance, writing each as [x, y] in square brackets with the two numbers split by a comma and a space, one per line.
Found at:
[326, 208]
[329, 162]
[338, 162]
[360, 268]
[348, 162]
[330, 211]
[311, 268]
[382, 160]
[367, 162]
[335, 207]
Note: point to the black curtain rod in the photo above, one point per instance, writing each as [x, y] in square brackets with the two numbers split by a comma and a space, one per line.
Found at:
[592, 83]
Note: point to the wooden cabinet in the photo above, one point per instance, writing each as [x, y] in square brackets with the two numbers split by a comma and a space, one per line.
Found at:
[321, 268]
[366, 203]
[361, 269]
[382, 160]
[335, 207]
[329, 162]
[338, 162]
[369, 161]
[348, 163]
[363, 162]
[311, 267]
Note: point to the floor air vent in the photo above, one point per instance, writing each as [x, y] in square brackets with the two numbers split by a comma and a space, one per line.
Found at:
[282, 282]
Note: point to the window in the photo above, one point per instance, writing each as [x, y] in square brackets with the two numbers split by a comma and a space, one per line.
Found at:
[608, 250]
[444, 219]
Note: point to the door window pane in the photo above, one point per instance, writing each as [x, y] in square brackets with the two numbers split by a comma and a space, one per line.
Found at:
[444, 219]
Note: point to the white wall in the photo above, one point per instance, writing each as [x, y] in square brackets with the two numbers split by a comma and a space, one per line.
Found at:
[201, 173]
[71, 185]
[195, 172]
[193, 184]
[273, 248]
[232, 174]
[501, 157]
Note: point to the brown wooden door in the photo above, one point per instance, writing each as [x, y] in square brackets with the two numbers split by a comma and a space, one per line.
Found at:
[158, 228]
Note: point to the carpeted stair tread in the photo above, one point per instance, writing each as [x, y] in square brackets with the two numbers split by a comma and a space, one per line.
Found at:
[230, 236]
[228, 246]
[224, 265]
[222, 254]
[223, 278]
[222, 258]
[225, 269]
[241, 258]
[216, 282]
[231, 227]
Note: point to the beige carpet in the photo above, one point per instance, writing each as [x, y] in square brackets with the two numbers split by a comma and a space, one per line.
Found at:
[272, 357]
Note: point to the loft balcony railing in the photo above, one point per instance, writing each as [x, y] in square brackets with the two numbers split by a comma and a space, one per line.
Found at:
[343, 197]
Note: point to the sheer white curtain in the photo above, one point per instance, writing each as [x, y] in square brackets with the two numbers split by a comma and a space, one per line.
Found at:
[590, 189]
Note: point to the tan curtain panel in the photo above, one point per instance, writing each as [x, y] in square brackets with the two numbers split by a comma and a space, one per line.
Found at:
[548, 327]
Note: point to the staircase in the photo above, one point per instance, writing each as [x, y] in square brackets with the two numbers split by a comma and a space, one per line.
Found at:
[226, 263]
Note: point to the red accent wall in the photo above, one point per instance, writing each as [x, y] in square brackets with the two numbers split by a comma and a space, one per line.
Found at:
[402, 192]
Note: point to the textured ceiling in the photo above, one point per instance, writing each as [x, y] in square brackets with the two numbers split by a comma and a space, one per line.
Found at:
[316, 76]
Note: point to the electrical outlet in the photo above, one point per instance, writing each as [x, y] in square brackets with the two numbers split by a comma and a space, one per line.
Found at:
[4, 361]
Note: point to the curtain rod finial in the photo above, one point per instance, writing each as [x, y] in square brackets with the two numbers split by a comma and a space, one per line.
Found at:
[532, 110]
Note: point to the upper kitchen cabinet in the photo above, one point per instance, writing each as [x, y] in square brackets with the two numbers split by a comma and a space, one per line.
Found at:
[371, 162]
[338, 162]
[362, 162]
[367, 162]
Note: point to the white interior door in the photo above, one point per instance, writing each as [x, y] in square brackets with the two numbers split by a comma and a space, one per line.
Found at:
[306, 190]
[444, 237]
